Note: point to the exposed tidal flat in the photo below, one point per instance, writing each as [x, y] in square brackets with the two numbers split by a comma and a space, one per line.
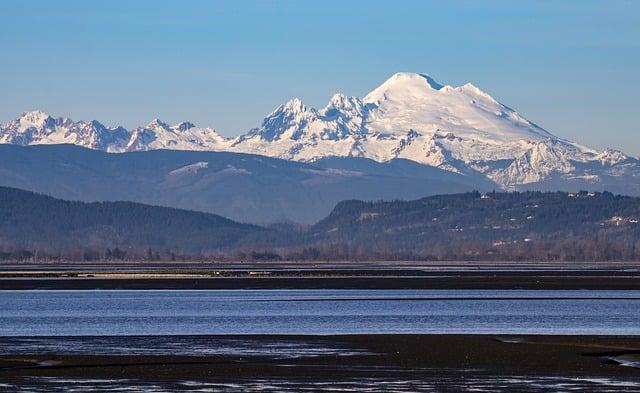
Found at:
[322, 275]
[375, 363]
[281, 339]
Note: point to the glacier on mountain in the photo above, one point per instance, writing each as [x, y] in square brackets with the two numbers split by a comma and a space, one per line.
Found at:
[409, 116]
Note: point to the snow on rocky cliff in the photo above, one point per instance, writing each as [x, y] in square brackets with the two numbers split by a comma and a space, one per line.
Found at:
[39, 128]
[182, 136]
[409, 116]
[36, 128]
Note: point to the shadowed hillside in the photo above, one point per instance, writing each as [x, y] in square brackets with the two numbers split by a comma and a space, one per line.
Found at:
[242, 187]
[530, 225]
[470, 226]
[38, 223]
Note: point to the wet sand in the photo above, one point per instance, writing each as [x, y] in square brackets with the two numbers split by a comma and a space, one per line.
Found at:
[432, 359]
[401, 363]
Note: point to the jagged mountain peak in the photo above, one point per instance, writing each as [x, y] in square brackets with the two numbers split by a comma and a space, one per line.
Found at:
[340, 103]
[342, 100]
[409, 116]
[37, 127]
[35, 118]
[412, 116]
[157, 123]
[294, 105]
[34, 115]
[95, 123]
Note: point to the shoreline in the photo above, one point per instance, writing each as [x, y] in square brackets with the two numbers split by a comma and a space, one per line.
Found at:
[354, 275]
[479, 282]
[378, 356]
[489, 352]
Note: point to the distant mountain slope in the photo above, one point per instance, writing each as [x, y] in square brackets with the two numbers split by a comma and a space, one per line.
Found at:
[495, 225]
[410, 116]
[38, 222]
[246, 188]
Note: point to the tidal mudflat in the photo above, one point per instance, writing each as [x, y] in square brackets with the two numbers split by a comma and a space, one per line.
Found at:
[342, 340]
[377, 363]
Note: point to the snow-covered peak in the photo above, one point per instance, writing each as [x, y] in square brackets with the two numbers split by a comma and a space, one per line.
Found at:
[410, 116]
[182, 136]
[341, 104]
[37, 119]
[404, 86]
[34, 116]
[294, 128]
[38, 127]
[157, 123]
[339, 100]
[409, 101]
[294, 105]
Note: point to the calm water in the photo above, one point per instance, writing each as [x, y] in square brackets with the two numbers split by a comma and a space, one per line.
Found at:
[116, 313]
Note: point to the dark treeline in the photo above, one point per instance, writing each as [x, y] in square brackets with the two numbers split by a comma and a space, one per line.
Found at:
[493, 226]
[472, 226]
[46, 227]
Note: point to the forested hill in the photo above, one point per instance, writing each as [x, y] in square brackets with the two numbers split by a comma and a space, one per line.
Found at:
[530, 225]
[39, 223]
[470, 226]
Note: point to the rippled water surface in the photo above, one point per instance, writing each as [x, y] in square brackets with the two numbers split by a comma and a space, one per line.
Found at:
[116, 312]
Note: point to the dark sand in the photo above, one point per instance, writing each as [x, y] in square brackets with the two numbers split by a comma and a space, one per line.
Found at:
[392, 357]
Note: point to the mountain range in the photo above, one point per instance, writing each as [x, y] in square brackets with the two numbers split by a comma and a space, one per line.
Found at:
[461, 130]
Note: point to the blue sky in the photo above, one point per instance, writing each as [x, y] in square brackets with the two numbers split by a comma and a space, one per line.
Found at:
[570, 66]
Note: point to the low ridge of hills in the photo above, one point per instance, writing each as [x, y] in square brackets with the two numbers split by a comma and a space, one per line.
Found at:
[49, 226]
[243, 187]
[467, 226]
[529, 225]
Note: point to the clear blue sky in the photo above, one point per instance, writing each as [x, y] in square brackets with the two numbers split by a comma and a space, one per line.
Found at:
[571, 66]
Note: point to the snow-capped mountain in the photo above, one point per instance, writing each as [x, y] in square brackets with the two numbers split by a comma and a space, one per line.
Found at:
[182, 136]
[410, 116]
[38, 128]
[460, 129]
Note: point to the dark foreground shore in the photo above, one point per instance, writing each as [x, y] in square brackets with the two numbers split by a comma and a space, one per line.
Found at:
[347, 363]
[372, 275]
